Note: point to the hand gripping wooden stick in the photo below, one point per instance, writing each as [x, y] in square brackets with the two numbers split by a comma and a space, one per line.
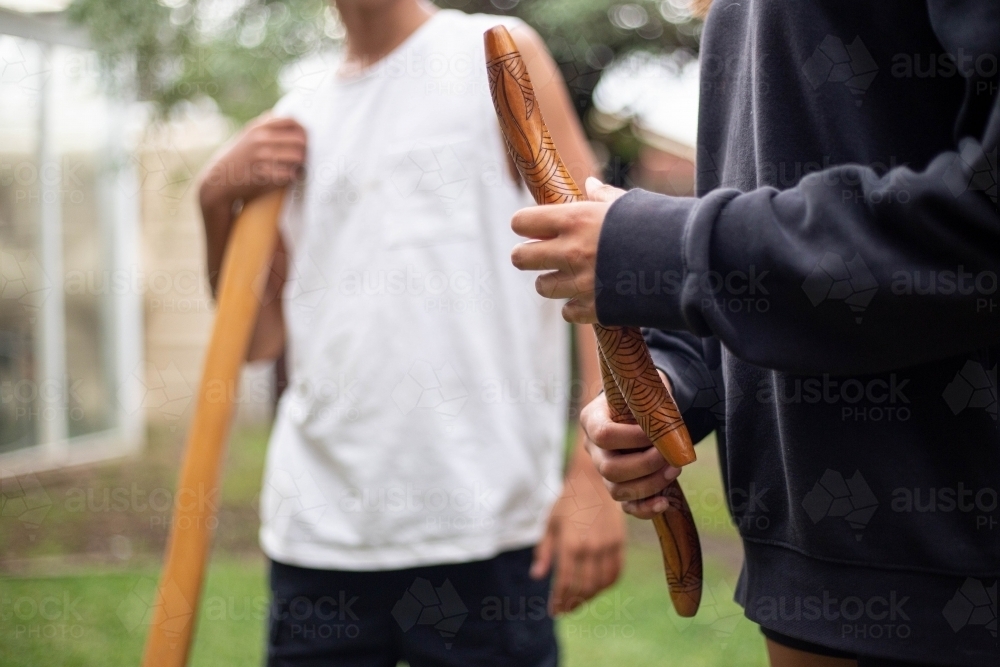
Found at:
[675, 526]
[244, 275]
[632, 386]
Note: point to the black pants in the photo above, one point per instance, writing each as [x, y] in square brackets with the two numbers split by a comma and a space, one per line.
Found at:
[488, 613]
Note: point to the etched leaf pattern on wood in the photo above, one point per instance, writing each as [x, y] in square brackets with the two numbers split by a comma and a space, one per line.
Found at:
[617, 406]
[528, 139]
[675, 527]
[635, 374]
[681, 549]
[632, 386]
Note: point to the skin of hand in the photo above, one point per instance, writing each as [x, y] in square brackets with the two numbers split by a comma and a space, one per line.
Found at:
[563, 241]
[633, 470]
[268, 154]
[585, 533]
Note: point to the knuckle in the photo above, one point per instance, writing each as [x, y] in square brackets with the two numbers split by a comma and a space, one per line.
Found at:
[575, 255]
[621, 493]
[599, 433]
[517, 220]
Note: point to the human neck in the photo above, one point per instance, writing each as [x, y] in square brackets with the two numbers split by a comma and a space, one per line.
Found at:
[374, 29]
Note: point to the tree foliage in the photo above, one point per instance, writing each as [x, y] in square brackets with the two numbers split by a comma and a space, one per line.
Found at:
[585, 36]
[169, 51]
[233, 51]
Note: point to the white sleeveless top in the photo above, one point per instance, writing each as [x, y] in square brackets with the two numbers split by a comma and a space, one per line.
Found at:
[426, 412]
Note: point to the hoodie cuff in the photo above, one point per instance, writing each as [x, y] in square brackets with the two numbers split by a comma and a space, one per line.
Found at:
[640, 261]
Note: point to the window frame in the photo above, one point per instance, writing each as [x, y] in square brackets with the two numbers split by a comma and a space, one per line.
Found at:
[122, 320]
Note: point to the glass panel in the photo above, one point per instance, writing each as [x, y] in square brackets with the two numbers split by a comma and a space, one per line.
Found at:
[79, 127]
[23, 285]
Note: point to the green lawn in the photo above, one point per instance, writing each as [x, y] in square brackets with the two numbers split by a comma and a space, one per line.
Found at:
[61, 605]
[97, 620]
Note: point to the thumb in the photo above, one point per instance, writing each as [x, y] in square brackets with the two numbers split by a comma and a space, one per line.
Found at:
[541, 563]
[597, 191]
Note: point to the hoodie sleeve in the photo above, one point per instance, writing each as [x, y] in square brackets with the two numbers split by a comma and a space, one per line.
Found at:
[830, 275]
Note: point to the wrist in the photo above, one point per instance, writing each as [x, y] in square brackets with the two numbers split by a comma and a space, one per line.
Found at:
[214, 194]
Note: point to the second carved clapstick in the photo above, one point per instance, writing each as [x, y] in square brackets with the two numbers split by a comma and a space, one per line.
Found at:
[634, 390]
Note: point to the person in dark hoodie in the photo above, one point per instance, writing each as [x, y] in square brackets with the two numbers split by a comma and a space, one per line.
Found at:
[828, 305]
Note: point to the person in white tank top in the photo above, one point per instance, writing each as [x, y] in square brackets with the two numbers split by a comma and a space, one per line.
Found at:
[416, 460]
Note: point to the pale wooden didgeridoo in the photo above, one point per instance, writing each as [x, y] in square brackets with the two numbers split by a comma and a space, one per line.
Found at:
[241, 284]
[633, 388]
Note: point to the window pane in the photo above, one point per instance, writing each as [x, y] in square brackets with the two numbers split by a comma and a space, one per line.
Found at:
[23, 285]
[80, 116]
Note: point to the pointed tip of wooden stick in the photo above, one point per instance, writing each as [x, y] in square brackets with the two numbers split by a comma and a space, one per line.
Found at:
[686, 603]
[498, 43]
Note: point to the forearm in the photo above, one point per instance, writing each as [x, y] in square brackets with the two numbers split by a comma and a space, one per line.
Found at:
[808, 279]
[268, 341]
[217, 205]
[590, 387]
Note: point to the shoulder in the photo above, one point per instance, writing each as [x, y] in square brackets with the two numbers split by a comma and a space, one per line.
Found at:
[477, 24]
[528, 41]
[309, 86]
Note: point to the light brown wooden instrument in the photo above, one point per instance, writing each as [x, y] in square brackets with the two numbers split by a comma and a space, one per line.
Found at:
[633, 388]
[244, 274]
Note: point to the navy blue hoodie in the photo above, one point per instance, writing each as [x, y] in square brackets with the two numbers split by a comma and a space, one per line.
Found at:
[828, 305]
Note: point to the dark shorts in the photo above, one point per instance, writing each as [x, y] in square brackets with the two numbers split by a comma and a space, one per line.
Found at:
[809, 647]
[488, 613]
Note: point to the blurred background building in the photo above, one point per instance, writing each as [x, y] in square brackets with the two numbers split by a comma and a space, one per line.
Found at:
[107, 116]
[67, 219]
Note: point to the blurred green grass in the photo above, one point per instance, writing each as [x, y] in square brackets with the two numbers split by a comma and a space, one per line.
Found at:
[69, 597]
[98, 620]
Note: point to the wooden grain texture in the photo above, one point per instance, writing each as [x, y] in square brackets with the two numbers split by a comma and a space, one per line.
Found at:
[675, 527]
[632, 385]
[635, 374]
[244, 273]
[681, 550]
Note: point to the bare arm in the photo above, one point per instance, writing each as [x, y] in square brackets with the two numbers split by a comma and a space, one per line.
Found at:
[268, 154]
[586, 546]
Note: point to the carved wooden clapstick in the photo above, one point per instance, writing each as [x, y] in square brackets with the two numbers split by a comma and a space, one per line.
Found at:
[681, 550]
[675, 526]
[633, 370]
[632, 386]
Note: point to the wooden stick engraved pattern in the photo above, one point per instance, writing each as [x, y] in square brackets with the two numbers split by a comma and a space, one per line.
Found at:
[620, 413]
[681, 550]
[633, 388]
[532, 148]
[636, 377]
[675, 527]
